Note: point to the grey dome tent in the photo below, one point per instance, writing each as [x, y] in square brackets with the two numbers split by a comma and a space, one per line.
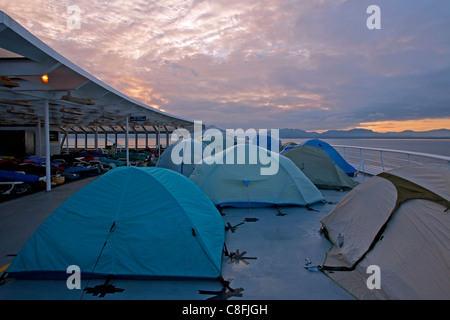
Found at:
[400, 222]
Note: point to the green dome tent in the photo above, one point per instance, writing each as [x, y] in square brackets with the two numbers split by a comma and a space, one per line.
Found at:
[398, 221]
[332, 152]
[317, 165]
[242, 184]
[334, 155]
[131, 223]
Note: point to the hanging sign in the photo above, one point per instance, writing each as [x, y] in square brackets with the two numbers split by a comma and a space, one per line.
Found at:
[138, 118]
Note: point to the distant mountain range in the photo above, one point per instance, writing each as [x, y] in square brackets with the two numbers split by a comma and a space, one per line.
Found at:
[365, 134]
[358, 134]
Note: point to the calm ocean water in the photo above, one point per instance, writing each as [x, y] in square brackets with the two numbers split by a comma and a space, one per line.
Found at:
[434, 146]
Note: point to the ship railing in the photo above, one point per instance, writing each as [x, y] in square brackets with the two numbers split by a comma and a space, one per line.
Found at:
[373, 161]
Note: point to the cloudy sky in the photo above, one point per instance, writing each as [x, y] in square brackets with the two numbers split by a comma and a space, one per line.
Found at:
[312, 65]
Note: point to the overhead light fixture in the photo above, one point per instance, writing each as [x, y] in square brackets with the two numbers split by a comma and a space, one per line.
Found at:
[29, 112]
[44, 78]
[21, 103]
[68, 97]
[8, 121]
[104, 116]
[70, 120]
[71, 111]
[6, 82]
[97, 122]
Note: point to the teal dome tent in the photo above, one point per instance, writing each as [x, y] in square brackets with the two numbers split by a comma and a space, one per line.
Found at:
[129, 223]
[242, 184]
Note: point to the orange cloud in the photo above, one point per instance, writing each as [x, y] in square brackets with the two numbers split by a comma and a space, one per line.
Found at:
[398, 126]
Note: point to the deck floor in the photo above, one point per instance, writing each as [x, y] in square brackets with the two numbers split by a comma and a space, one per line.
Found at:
[279, 242]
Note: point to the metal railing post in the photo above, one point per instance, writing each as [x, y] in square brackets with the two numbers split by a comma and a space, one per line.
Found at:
[390, 162]
[362, 159]
[48, 175]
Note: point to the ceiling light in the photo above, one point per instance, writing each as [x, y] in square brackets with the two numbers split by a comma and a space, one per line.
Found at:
[44, 78]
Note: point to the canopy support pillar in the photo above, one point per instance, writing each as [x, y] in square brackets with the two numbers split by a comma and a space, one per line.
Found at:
[67, 139]
[126, 143]
[158, 140]
[146, 139]
[96, 138]
[48, 177]
[39, 138]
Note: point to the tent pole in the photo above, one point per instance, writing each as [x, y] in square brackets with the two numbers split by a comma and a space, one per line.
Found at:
[96, 138]
[48, 177]
[159, 142]
[126, 143]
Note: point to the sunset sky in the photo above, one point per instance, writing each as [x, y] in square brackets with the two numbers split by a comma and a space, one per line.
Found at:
[312, 65]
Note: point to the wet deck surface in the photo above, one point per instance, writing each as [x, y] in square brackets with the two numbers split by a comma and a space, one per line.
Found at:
[276, 247]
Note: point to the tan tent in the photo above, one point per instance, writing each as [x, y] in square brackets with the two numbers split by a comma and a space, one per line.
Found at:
[398, 221]
[317, 165]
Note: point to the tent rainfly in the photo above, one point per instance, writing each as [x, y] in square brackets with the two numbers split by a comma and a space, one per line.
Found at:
[317, 165]
[398, 221]
[242, 184]
[332, 152]
[130, 223]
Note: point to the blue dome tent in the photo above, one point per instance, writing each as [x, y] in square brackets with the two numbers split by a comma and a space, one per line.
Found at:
[130, 223]
[259, 141]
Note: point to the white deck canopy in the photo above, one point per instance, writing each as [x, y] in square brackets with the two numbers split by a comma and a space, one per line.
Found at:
[72, 99]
